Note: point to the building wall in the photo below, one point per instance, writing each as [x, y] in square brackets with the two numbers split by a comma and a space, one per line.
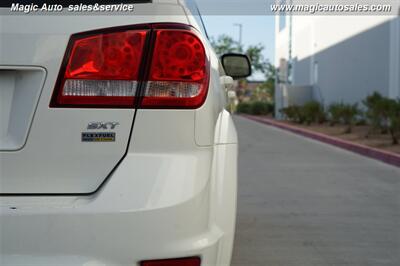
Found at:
[394, 82]
[356, 66]
[344, 58]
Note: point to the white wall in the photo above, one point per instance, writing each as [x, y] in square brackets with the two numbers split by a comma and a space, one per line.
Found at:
[345, 57]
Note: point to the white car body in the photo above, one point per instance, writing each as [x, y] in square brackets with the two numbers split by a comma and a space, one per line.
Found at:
[166, 189]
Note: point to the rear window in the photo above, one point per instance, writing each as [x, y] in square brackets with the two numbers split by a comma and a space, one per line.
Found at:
[7, 3]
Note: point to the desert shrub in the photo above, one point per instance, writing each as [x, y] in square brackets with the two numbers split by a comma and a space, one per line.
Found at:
[375, 111]
[390, 118]
[348, 115]
[287, 112]
[334, 113]
[261, 108]
[394, 121]
[361, 120]
[255, 108]
[383, 114]
[294, 113]
[243, 108]
[394, 126]
[313, 112]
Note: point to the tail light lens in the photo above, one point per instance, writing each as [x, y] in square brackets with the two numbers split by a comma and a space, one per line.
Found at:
[173, 262]
[103, 70]
[179, 71]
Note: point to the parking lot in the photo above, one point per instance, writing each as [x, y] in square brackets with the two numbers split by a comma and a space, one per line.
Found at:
[301, 202]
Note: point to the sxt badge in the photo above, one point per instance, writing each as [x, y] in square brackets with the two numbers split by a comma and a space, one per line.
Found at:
[102, 125]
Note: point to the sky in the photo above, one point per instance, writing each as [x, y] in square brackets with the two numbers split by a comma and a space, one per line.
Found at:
[256, 29]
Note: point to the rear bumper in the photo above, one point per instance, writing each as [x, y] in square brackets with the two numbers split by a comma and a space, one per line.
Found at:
[124, 223]
[120, 237]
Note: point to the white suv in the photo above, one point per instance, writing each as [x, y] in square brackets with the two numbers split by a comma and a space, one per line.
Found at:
[115, 148]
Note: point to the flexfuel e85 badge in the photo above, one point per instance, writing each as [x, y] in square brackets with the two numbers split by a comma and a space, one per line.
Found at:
[100, 136]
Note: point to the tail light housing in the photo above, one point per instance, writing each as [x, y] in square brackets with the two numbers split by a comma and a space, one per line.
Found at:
[179, 71]
[166, 62]
[101, 70]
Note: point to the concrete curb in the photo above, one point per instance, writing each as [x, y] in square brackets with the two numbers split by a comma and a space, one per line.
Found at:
[384, 156]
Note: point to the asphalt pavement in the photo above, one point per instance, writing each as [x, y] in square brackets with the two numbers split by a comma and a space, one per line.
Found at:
[304, 203]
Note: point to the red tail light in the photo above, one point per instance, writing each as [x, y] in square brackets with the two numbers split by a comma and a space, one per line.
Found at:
[101, 70]
[173, 262]
[179, 71]
[105, 70]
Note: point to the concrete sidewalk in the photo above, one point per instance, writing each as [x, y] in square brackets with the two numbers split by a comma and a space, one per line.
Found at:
[302, 202]
[377, 154]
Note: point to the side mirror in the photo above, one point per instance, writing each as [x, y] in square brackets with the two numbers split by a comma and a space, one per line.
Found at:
[236, 65]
